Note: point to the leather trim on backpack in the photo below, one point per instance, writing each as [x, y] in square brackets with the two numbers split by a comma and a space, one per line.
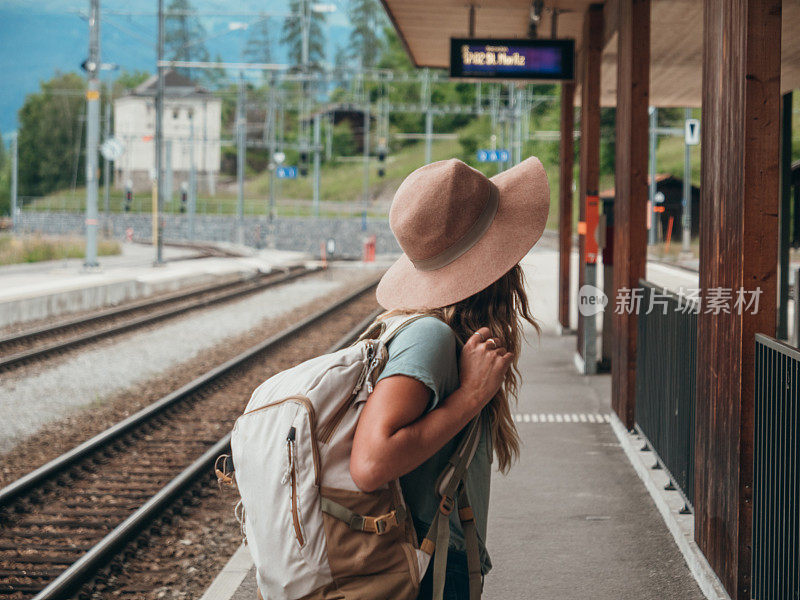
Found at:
[361, 560]
[327, 592]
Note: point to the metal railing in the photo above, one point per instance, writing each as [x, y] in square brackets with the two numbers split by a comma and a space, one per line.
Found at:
[665, 382]
[776, 474]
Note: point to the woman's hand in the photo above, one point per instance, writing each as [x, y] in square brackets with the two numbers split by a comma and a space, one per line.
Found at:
[483, 367]
[395, 435]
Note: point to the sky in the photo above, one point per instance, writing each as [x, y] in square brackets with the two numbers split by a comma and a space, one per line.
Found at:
[40, 38]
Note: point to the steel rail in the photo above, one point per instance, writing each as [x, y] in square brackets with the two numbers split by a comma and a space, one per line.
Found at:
[54, 467]
[86, 566]
[243, 289]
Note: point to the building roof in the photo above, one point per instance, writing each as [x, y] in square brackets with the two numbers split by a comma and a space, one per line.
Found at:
[676, 38]
[175, 86]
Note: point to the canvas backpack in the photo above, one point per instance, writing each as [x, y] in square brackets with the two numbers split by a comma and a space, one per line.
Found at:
[312, 533]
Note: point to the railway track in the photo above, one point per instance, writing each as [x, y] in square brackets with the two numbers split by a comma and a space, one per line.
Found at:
[62, 522]
[36, 344]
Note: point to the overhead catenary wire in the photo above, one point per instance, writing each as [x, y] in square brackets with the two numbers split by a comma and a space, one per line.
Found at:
[381, 107]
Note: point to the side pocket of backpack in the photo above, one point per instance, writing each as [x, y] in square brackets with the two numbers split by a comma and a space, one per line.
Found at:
[277, 470]
[367, 564]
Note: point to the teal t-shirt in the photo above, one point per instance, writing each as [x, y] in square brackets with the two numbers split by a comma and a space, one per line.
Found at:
[427, 350]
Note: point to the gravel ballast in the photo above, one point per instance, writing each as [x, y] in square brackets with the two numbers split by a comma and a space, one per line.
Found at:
[47, 392]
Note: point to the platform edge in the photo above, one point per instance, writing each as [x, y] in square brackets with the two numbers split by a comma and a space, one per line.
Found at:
[230, 578]
[702, 572]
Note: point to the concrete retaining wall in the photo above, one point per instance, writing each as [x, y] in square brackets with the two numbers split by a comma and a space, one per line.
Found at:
[298, 234]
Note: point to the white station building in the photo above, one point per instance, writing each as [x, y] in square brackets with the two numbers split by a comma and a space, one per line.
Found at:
[192, 121]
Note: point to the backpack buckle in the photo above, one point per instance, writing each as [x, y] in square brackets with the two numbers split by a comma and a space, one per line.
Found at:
[447, 505]
[358, 523]
[382, 524]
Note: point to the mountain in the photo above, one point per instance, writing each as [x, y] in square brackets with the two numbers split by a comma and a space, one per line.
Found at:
[38, 39]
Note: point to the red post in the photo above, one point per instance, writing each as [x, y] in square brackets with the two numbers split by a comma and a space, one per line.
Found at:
[369, 248]
[669, 233]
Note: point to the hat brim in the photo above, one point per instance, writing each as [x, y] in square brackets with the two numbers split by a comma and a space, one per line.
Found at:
[524, 201]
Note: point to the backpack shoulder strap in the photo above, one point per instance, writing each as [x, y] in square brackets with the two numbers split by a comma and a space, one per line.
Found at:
[386, 328]
[396, 326]
[467, 518]
[460, 460]
[450, 487]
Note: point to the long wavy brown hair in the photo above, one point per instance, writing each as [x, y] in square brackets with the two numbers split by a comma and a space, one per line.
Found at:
[501, 307]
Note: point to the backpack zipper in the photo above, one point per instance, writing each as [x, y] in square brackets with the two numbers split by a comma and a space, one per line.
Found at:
[312, 424]
[330, 427]
[326, 432]
[290, 449]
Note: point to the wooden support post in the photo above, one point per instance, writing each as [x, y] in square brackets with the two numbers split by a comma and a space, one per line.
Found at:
[567, 151]
[738, 250]
[630, 201]
[589, 176]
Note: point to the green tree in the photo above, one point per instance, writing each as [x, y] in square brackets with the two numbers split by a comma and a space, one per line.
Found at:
[214, 77]
[393, 53]
[5, 179]
[368, 21]
[608, 138]
[127, 80]
[469, 142]
[184, 35]
[5, 190]
[293, 33]
[342, 58]
[393, 56]
[259, 42]
[50, 136]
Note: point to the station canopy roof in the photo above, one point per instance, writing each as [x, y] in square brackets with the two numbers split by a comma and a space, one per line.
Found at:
[676, 38]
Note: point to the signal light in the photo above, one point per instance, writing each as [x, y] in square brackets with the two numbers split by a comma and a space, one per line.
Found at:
[303, 163]
[128, 200]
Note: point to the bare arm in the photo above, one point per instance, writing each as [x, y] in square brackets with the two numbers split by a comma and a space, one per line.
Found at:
[393, 436]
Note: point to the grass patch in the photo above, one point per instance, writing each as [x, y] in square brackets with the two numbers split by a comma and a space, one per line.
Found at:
[341, 187]
[341, 183]
[28, 249]
[669, 158]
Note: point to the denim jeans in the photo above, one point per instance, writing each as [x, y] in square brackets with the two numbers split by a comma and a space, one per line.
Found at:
[456, 583]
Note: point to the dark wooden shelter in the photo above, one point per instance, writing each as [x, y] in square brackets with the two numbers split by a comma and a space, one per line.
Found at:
[672, 188]
[352, 115]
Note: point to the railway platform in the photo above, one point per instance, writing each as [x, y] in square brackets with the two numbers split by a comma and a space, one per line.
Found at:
[31, 292]
[579, 516]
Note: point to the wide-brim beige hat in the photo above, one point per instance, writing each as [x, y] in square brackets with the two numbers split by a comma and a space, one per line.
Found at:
[461, 231]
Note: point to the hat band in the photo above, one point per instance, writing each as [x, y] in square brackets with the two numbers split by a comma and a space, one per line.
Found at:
[468, 240]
